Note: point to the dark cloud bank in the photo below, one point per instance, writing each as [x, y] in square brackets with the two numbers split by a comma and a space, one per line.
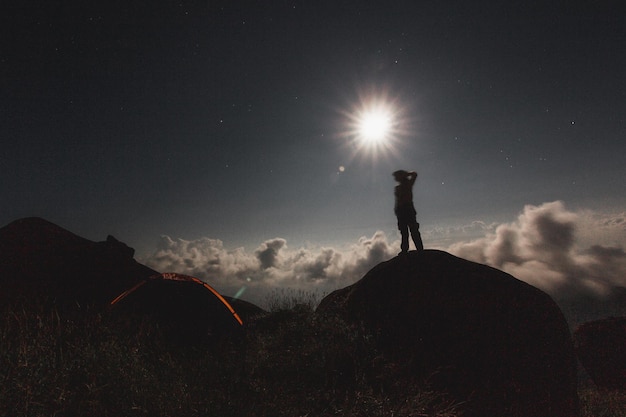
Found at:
[547, 246]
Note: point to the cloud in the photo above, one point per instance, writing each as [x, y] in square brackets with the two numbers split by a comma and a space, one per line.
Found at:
[267, 254]
[543, 248]
[560, 251]
[272, 265]
[444, 236]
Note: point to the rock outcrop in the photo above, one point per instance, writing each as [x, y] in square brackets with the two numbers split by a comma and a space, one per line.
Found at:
[43, 262]
[601, 348]
[491, 341]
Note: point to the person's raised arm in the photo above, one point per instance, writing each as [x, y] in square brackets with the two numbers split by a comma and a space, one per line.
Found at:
[412, 176]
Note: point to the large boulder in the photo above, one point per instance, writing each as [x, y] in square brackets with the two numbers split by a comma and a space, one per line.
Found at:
[601, 348]
[43, 262]
[497, 344]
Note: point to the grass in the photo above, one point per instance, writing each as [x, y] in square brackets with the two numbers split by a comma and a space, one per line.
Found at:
[596, 402]
[290, 299]
[287, 363]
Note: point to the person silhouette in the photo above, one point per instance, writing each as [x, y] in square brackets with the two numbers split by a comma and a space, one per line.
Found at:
[405, 210]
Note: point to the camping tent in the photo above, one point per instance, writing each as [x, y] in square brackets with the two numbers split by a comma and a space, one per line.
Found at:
[180, 304]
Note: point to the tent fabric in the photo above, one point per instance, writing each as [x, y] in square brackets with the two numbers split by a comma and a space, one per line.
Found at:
[172, 278]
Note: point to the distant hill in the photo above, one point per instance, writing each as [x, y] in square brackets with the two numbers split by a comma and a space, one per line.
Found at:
[584, 307]
[44, 262]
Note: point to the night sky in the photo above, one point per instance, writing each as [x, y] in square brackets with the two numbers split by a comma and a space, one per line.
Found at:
[234, 120]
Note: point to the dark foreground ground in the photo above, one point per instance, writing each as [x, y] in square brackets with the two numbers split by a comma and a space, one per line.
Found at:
[286, 363]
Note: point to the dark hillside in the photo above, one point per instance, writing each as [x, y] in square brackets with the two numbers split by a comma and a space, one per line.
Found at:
[39, 258]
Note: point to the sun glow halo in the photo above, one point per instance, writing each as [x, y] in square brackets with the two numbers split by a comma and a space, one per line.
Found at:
[377, 125]
[374, 126]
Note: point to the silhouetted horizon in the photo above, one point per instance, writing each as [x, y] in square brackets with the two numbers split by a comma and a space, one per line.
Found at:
[593, 290]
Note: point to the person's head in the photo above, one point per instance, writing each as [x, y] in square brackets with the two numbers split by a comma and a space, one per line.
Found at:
[400, 175]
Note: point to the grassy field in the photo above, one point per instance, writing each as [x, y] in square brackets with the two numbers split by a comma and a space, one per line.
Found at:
[287, 363]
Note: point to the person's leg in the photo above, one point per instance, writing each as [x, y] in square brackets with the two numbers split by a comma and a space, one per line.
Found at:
[417, 237]
[404, 232]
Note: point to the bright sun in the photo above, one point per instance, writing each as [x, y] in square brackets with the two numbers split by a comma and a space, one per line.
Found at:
[374, 126]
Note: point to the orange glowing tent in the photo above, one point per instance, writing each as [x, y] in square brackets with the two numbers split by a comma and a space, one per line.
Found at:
[181, 303]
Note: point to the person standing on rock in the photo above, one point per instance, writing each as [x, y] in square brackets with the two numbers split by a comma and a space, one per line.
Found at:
[405, 210]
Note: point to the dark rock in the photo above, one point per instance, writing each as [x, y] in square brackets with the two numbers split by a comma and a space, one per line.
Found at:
[42, 262]
[119, 248]
[481, 335]
[601, 349]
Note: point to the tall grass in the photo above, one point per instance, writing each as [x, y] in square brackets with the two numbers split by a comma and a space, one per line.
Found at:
[289, 362]
[289, 299]
[84, 366]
